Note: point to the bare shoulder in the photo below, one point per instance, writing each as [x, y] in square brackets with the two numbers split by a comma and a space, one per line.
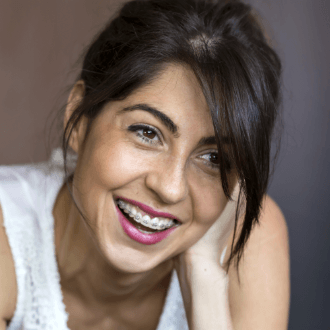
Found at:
[260, 298]
[8, 286]
[271, 230]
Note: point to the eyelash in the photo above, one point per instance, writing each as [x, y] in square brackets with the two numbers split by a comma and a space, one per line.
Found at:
[209, 163]
[139, 127]
[228, 165]
[136, 128]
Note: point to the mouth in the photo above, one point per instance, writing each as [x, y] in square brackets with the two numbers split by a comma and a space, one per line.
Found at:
[145, 222]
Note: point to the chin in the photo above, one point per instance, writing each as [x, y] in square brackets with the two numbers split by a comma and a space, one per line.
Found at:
[124, 257]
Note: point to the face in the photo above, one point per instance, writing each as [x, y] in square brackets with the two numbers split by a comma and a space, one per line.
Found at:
[156, 152]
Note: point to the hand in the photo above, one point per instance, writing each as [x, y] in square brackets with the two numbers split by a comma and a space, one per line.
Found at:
[203, 281]
[211, 244]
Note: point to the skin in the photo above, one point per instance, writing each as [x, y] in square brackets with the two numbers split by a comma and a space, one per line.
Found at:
[172, 174]
[111, 281]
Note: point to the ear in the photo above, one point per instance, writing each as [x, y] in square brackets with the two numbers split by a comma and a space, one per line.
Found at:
[75, 98]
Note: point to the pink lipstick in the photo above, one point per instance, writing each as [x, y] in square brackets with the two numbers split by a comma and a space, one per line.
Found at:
[137, 235]
[148, 209]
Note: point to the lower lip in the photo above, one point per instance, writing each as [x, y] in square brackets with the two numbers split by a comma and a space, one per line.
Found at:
[136, 235]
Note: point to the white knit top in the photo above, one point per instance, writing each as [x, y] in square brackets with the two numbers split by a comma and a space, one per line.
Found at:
[27, 197]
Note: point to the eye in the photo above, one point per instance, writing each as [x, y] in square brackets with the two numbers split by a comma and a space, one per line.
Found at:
[212, 159]
[146, 133]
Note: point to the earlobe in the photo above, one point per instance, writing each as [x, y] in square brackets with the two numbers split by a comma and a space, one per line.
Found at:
[75, 98]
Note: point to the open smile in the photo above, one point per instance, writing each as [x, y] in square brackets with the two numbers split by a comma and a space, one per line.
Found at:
[143, 226]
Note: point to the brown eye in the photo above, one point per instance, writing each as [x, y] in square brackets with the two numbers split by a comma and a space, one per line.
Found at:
[214, 159]
[148, 133]
[211, 159]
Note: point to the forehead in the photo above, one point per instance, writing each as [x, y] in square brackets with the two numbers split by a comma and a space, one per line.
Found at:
[176, 92]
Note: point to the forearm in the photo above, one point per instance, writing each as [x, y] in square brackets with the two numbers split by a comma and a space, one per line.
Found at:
[204, 286]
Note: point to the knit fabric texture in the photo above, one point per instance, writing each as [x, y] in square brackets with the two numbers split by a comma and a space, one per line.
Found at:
[27, 197]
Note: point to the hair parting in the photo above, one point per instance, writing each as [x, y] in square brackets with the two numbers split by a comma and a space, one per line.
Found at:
[239, 73]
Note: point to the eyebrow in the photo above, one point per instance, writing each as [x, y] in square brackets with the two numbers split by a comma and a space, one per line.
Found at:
[210, 140]
[167, 121]
[207, 141]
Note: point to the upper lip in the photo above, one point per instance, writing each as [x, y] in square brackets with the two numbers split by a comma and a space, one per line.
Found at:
[148, 209]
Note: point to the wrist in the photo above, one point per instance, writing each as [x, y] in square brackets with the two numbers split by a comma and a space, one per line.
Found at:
[198, 268]
[204, 287]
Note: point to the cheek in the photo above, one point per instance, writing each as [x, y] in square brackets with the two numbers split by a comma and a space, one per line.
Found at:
[115, 166]
[110, 158]
[209, 201]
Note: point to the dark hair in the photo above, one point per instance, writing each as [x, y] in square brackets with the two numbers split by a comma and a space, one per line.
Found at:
[239, 73]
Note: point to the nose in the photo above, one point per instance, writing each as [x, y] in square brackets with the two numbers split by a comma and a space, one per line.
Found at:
[168, 181]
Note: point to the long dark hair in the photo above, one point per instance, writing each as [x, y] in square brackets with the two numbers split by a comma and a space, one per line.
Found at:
[239, 73]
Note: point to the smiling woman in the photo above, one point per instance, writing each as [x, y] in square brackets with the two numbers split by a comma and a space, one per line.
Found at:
[171, 121]
[139, 154]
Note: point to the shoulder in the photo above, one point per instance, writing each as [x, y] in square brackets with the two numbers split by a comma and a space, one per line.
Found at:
[271, 231]
[28, 186]
[8, 287]
[260, 296]
[26, 191]
[18, 197]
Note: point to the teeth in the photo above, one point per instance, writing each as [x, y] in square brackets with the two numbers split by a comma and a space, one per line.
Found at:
[154, 223]
[137, 217]
[146, 220]
[127, 208]
[133, 211]
[169, 223]
[161, 224]
[145, 232]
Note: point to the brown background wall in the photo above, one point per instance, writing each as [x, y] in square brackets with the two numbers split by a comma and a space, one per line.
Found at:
[40, 41]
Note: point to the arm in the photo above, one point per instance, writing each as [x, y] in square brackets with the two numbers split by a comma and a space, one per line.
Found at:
[8, 289]
[204, 286]
[260, 300]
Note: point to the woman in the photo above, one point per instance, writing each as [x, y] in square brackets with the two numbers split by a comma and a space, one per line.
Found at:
[171, 121]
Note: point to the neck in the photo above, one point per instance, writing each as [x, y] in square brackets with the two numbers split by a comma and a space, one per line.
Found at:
[85, 272]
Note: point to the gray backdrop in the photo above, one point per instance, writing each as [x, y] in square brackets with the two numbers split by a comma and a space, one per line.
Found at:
[40, 42]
